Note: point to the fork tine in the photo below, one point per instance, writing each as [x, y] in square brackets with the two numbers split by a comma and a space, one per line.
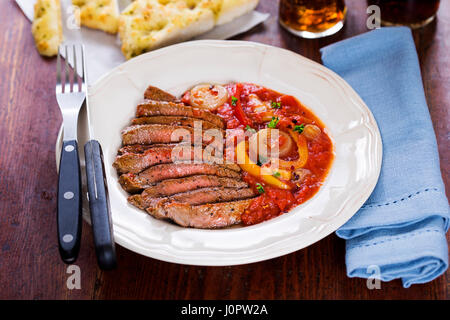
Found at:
[58, 71]
[67, 82]
[83, 69]
[76, 87]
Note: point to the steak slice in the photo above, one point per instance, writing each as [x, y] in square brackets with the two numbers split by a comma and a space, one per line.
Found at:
[207, 216]
[172, 186]
[155, 206]
[136, 162]
[193, 194]
[163, 108]
[160, 133]
[156, 94]
[175, 121]
[141, 148]
[134, 183]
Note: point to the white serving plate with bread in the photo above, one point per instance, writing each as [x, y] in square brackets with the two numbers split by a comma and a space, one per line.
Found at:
[350, 124]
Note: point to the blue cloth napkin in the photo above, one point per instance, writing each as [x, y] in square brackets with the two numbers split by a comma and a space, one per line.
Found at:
[401, 228]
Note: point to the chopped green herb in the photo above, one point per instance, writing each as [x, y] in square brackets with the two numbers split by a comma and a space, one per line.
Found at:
[250, 129]
[299, 128]
[276, 105]
[276, 174]
[234, 101]
[273, 123]
[260, 188]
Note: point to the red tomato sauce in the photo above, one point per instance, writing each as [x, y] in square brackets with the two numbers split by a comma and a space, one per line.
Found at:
[239, 113]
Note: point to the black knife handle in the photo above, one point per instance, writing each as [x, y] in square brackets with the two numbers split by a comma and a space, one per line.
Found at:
[69, 202]
[99, 206]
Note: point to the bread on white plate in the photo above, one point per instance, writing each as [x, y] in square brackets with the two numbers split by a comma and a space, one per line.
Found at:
[98, 14]
[149, 24]
[231, 9]
[47, 27]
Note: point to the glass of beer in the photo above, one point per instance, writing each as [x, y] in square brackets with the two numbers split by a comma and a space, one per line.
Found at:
[312, 18]
[411, 13]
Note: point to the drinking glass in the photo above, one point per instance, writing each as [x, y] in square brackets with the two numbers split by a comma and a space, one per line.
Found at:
[411, 13]
[312, 18]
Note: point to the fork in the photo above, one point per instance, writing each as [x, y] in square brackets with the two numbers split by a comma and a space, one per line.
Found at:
[70, 94]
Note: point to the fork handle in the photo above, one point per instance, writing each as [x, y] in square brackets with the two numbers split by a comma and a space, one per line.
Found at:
[69, 202]
[99, 206]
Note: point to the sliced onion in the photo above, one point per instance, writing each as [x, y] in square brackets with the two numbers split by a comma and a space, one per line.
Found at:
[267, 139]
[286, 148]
[302, 148]
[208, 96]
[264, 137]
[257, 105]
[311, 131]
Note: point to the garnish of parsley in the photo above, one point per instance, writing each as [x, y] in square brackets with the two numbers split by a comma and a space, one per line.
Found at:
[273, 123]
[260, 188]
[275, 105]
[299, 128]
[234, 101]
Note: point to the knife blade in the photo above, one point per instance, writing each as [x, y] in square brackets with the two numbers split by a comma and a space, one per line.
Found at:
[98, 199]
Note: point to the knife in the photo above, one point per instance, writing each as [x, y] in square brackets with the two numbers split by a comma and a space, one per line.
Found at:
[99, 206]
[98, 199]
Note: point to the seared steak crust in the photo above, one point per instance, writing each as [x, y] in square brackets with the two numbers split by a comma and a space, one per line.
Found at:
[156, 94]
[164, 108]
[193, 197]
[175, 121]
[134, 183]
[172, 186]
[141, 148]
[137, 162]
[159, 133]
[207, 216]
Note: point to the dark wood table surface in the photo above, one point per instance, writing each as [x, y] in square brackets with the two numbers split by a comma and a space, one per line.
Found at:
[30, 267]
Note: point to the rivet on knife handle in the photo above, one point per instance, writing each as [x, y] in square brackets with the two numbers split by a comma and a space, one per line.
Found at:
[99, 206]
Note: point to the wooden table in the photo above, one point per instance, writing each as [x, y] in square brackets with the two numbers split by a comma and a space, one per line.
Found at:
[30, 267]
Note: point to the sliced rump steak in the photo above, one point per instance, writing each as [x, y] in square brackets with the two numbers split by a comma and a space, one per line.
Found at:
[160, 133]
[141, 148]
[207, 216]
[156, 206]
[137, 162]
[175, 121]
[150, 108]
[171, 179]
[193, 197]
[172, 186]
[134, 183]
[156, 94]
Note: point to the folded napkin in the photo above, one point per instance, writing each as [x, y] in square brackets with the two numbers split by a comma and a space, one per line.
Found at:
[103, 50]
[401, 228]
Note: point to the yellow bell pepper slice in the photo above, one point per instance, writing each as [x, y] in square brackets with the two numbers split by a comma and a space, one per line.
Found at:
[252, 168]
[302, 147]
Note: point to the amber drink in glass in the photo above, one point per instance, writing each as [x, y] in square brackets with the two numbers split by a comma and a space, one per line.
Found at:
[312, 18]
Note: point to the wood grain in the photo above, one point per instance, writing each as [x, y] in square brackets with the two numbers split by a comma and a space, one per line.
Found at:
[30, 267]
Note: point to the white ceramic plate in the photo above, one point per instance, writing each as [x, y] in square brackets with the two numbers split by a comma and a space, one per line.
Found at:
[354, 173]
